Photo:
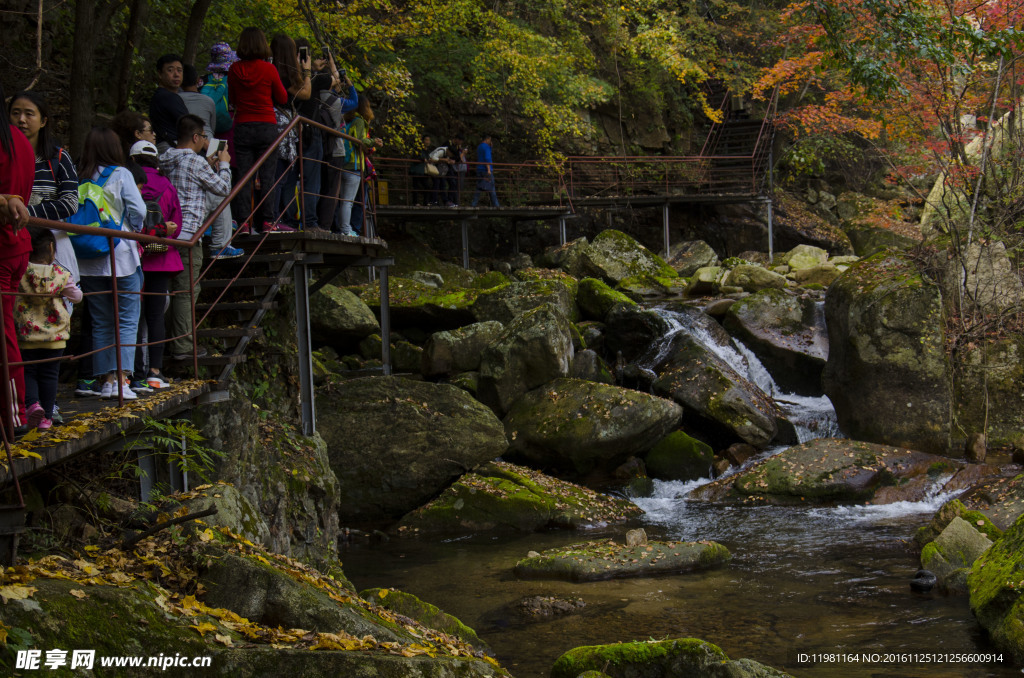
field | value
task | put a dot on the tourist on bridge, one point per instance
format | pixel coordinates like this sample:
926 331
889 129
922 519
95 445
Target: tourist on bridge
485 173
166 106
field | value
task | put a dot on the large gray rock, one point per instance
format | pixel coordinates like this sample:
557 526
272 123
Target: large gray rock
596 299
953 552
754 278
996 594
589 366
678 456
687 257
533 349
615 256
987 391
234 511
394 444
458 350
983 275
787 333
804 256
887 372
336 313
583 425
505 302
705 385
595 561
568 257
631 330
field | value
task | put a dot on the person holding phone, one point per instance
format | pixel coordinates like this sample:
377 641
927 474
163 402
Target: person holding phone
313 108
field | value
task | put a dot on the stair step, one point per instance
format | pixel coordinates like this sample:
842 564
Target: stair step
222 360
306 257
238 306
230 332
244 282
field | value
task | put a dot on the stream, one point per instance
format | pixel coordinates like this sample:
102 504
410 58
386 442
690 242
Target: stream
801 581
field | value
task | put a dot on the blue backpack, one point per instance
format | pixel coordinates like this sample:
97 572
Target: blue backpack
93 211
218 91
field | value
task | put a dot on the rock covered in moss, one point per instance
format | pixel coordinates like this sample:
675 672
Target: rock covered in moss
706 385
832 470
996 584
506 302
803 257
585 425
429 615
678 456
596 561
532 350
417 305
394 443
953 552
887 372
954 508
589 366
234 511
337 313
869 240
706 280
548 275
823 275
658 659
754 278
987 391
613 256
458 350
646 286
787 333
686 257
503 496
595 298
568 257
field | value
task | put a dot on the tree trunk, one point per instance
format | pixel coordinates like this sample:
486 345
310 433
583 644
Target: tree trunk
92 17
195 27
136 20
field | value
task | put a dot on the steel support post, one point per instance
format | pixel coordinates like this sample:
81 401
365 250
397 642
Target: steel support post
300 275
664 224
515 244
465 243
561 230
385 321
771 243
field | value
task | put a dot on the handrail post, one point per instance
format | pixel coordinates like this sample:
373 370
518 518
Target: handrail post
117 320
301 199
192 282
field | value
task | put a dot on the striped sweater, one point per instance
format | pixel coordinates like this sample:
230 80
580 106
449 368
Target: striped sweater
55 189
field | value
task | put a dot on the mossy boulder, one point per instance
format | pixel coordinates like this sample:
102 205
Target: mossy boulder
823 275
336 314
595 298
869 240
614 256
671 658
1000 500
754 278
234 511
631 330
394 443
413 255
646 286
996 584
987 395
458 350
532 350
414 304
686 257
830 471
588 366
568 257
953 552
546 275
788 334
803 257
429 615
678 456
406 357
708 387
505 497
467 381
504 303
887 371
596 561
582 425
706 280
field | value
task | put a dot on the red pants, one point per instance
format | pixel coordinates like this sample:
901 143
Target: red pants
11 271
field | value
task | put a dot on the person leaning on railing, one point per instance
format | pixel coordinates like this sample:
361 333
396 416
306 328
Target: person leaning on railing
17 173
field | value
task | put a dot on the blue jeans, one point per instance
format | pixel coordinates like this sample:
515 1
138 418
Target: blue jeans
288 207
101 308
486 185
312 155
350 180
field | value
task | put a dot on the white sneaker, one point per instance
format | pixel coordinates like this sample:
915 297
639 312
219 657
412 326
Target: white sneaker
107 389
127 392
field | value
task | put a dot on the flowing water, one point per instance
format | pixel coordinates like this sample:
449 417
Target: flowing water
802 581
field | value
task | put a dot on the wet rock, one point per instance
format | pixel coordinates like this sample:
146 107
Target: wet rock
394 443
1001 500
614 256
645 287
550 606
631 468
502 496
585 425
505 302
659 659
994 587
976 448
704 384
596 298
953 552
677 456
923 582
637 537
428 278
631 330
687 257
429 615
754 278
588 366
739 453
720 466
533 349
705 280
595 561
787 333
830 470
719 307
337 313
458 350
887 371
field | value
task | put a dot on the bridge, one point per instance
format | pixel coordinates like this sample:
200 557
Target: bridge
231 298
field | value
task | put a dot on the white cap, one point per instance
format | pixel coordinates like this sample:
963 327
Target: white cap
143 148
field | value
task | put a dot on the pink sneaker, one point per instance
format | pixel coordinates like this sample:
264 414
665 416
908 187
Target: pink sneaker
45 424
34 415
278 228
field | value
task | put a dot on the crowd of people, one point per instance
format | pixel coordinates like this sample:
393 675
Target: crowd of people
439 176
164 174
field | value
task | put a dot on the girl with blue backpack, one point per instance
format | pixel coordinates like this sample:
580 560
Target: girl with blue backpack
106 180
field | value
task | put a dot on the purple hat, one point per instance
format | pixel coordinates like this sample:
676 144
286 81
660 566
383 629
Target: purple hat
222 57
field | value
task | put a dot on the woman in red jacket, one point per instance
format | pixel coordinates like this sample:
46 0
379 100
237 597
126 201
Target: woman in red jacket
254 86
17 172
